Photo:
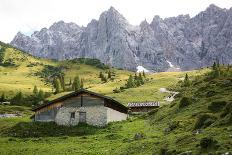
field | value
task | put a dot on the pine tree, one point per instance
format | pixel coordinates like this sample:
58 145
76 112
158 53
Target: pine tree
76 84
130 82
70 82
82 83
217 72
109 74
214 66
140 78
144 75
18 98
135 77
57 85
101 75
62 82
35 90
104 79
186 80
3 98
41 95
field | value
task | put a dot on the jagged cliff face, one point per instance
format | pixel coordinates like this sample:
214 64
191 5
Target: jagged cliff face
187 43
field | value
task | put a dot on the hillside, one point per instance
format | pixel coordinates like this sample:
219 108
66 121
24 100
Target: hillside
20 71
198 122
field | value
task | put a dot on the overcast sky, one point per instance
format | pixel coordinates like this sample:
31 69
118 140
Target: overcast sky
30 15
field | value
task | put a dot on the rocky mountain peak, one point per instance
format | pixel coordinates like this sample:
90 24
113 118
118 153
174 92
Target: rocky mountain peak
186 43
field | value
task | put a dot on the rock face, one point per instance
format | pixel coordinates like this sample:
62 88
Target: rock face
185 43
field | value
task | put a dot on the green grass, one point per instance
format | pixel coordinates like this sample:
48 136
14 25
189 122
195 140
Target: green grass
22 77
21 136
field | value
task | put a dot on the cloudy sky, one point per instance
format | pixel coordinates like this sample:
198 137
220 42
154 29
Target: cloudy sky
30 15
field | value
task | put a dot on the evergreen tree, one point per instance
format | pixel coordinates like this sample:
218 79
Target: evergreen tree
70 82
82 83
218 63
186 80
140 79
57 85
40 95
214 66
18 98
217 72
144 75
109 74
35 90
101 75
104 79
135 77
76 84
3 98
130 82
61 78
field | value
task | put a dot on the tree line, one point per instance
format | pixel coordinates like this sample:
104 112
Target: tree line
60 85
132 82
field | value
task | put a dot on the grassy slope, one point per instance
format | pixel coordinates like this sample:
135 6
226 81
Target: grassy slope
21 77
117 138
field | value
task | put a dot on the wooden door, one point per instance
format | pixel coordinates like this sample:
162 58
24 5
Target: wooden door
82 117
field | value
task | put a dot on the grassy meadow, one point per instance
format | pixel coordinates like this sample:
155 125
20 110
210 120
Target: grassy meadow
198 121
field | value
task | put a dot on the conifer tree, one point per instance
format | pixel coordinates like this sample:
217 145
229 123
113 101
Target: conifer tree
62 82
18 98
144 74
101 75
57 85
3 98
130 82
41 95
140 78
35 90
82 83
70 82
76 84
186 80
109 74
214 66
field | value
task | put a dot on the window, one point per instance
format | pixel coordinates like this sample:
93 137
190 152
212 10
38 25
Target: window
73 115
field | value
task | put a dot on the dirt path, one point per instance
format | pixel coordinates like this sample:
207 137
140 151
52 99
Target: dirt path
171 95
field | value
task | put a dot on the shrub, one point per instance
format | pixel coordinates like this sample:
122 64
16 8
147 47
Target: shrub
116 90
227 110
204 120
210 93
217 106
208 142
185 101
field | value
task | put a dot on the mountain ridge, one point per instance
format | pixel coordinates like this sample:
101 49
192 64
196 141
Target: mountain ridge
188 43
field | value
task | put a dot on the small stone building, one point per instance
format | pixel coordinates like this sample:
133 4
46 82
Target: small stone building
142 107
81 106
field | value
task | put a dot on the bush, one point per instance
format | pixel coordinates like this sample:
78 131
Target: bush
210 93
185 101
116 90
204 120
217 106
208 143
227 110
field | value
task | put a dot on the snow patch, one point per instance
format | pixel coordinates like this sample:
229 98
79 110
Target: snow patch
170 64
141 69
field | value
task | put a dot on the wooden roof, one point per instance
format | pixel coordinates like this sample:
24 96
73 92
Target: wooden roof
143 104
81 91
